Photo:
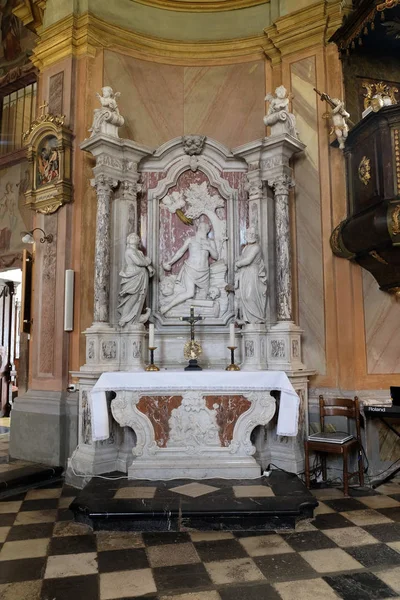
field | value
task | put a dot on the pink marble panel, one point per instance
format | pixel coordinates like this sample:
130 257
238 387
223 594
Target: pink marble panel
158 409
225 102
229 409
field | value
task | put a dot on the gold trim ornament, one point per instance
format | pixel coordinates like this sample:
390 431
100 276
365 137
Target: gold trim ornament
49 153
396 220
192 350
364 170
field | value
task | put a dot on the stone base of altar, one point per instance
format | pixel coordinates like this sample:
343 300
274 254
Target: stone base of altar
195 467
264 504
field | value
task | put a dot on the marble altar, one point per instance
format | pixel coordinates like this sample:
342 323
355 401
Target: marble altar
207 227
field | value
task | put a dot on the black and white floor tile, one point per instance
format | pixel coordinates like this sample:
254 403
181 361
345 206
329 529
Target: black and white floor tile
350 551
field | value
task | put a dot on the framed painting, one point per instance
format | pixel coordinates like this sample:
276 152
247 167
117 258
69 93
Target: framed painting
49 148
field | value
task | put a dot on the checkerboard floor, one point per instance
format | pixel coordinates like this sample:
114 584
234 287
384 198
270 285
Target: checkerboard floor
350 550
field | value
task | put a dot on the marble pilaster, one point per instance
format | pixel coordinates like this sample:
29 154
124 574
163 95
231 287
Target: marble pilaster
284 337
116 169
104 188
281 186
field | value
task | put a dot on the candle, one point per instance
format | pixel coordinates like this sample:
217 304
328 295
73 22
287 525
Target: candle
232 335
151 335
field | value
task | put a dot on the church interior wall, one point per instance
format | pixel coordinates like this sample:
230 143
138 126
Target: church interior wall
160 102
348 323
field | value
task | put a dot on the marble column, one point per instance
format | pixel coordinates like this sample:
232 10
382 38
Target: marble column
104 188
281 186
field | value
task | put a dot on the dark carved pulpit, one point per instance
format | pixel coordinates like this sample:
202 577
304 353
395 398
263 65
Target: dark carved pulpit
371 234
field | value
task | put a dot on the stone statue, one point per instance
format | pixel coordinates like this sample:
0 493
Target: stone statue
339 116
252 281
107 119
134 283
278 116
195 272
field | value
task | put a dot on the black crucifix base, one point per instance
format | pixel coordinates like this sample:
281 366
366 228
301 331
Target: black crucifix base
193 365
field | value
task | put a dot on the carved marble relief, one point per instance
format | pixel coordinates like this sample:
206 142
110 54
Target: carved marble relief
86 419
136 349
249 348
295 349
278 349
109 350
193 423
202 276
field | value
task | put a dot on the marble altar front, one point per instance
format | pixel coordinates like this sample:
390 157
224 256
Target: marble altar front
191 224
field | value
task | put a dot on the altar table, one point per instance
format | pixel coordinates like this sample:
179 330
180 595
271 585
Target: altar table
194 424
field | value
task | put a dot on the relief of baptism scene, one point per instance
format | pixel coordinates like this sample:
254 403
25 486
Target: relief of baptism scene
200 299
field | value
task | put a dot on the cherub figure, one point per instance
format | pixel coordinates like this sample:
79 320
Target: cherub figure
278 110
278 102
339 116
108 114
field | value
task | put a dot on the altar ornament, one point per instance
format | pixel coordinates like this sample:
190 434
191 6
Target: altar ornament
232 366
192 349
278 116
134 283
152 366
107 119
49 149
251 281
377 96
338 116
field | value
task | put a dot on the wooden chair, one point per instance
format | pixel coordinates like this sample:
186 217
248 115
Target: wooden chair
345 407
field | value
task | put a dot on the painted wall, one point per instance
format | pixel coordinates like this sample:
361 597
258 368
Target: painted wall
308 216
160 102
14 216
16 40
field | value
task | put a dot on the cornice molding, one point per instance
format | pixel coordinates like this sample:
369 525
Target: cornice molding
304 28
30 12
83 35
201 5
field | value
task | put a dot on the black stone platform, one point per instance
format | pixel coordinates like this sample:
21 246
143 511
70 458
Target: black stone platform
25 477
265 504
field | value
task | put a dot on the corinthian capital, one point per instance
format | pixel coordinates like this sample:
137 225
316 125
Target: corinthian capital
104 184
281 184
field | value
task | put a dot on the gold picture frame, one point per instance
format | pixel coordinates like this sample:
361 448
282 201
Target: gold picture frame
49 153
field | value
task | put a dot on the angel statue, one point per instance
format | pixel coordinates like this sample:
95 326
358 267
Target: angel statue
134 283
107 118
338 116
278 116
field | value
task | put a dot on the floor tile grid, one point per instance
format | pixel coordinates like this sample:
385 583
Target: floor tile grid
112 565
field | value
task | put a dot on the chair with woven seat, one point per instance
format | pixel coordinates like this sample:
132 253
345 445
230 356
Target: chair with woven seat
332 407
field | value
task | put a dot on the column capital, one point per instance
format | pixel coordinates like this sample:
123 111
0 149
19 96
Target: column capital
281 184
129 189
103 183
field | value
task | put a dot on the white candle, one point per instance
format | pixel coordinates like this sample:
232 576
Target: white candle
151 335
232 335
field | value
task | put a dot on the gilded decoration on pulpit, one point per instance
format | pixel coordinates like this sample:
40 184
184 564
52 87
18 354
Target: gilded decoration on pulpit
364 170
49 147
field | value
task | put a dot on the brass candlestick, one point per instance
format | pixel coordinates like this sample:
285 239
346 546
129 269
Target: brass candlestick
152 366
232 366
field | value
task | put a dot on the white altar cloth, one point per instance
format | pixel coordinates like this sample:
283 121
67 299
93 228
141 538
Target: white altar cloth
224 381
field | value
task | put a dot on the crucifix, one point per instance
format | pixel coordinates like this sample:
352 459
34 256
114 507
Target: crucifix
192 349
43 107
